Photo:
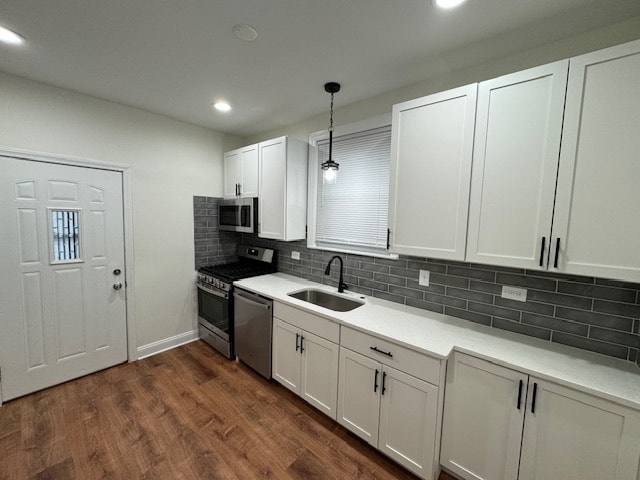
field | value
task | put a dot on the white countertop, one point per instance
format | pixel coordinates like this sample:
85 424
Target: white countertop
438 335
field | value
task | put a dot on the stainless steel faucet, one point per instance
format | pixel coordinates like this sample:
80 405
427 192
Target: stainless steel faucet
341 285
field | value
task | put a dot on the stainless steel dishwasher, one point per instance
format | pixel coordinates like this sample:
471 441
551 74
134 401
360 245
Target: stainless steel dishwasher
253 317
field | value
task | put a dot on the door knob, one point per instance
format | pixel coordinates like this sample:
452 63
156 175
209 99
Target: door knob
117 286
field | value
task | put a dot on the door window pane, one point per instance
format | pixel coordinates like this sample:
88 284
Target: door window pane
65 235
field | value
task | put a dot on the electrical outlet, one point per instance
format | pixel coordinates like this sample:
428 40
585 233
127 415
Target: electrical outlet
295 255
424 278
514 293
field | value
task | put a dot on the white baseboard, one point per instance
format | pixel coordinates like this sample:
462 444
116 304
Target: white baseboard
166 344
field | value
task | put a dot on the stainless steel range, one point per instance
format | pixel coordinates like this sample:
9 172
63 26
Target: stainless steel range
215 294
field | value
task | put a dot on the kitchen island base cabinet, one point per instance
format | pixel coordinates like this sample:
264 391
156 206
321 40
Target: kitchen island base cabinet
501 424
395 412
303 362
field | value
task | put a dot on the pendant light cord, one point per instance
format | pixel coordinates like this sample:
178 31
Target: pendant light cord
331 128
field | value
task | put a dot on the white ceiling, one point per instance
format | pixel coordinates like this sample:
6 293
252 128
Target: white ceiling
174 57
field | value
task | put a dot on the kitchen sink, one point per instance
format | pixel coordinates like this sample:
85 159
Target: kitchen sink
334 302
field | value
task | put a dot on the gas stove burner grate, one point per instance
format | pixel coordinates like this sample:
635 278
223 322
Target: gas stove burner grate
236 271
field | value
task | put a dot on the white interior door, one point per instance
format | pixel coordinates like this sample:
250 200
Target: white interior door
62 301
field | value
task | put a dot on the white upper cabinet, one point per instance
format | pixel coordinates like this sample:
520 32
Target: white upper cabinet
282 202
241 172
515 162
431 151
597 219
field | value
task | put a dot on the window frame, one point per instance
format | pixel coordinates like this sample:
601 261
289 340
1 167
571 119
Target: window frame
313 177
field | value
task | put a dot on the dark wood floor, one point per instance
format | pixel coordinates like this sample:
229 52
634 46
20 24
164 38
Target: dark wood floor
187 413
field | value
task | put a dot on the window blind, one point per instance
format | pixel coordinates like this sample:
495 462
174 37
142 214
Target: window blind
353 210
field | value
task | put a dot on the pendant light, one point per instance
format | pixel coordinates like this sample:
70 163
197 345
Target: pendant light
330 168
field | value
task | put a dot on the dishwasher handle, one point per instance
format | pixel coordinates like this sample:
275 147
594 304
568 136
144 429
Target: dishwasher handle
255 300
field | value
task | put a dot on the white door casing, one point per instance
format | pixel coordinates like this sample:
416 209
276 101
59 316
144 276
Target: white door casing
59 320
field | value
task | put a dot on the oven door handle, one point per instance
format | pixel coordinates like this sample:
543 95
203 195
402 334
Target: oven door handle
266 306
213 292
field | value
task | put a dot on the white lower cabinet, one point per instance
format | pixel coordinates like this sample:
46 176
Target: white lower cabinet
304 362
395 412
501 424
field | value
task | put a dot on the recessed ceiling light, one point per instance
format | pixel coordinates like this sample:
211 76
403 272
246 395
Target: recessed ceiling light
10 37
245 32
446 4
222 106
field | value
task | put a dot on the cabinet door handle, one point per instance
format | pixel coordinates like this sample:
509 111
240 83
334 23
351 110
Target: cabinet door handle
384 379
533 400
297 340
239 189
520 393
301 344
375 381
388 238
555 262
544 241
376 349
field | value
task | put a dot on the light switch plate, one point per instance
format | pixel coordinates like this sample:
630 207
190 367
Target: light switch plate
424 278
295 255
514 293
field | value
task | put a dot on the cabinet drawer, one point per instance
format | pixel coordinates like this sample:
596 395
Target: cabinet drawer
307 321
409 361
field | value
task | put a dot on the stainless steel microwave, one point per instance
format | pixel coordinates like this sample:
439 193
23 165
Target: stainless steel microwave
238 215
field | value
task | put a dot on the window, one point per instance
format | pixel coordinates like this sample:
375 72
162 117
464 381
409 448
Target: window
350 215
65 235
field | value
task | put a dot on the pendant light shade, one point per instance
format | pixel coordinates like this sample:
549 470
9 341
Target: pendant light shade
330 168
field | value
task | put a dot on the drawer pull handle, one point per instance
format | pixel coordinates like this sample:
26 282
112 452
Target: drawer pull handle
375 381
384 378
375 349
520 394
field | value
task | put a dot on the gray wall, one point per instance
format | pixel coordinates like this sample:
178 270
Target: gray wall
211 245
594 314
